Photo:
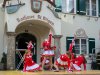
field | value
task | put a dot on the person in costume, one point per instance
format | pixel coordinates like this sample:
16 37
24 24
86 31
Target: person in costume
29 64
63 61
78 61
48 51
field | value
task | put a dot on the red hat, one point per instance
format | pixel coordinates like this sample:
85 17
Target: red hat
30 45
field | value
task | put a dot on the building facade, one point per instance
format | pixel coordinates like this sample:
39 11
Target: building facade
25 20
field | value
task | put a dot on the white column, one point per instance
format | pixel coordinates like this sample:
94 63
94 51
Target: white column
97 8
57 44
11 51
75 8
90 2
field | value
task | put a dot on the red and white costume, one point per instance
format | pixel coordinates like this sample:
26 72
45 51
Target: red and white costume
47 47
29 64
78 62
71 45
30 45
63 61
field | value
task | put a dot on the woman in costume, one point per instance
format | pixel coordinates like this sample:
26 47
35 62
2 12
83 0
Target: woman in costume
29 64
48 51
63 61
78 61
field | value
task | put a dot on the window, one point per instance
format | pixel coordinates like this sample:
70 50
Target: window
58 5
81 7
68 6
91 42
77 46
91 7
83 46
80 46
87 7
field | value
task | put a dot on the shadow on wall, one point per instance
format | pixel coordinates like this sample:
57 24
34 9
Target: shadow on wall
3 63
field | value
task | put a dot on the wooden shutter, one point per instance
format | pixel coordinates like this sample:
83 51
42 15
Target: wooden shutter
91 45
81 7
58 5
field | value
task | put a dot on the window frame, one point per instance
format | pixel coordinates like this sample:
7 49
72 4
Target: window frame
80 45
90 9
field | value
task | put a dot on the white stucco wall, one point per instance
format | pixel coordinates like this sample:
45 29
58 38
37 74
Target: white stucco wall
70 26
71 23
13 20
1 1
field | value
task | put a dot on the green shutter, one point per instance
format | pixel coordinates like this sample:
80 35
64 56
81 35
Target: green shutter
99 7
58 5
91 45
68 41
81 7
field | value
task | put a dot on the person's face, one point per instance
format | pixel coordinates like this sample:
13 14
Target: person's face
29 51
30 41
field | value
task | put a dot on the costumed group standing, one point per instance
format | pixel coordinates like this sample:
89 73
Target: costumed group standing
67 61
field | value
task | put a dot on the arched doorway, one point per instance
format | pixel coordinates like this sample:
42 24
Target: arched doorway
21 47
31 29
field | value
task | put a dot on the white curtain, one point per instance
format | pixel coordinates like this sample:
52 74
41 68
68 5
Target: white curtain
68 6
